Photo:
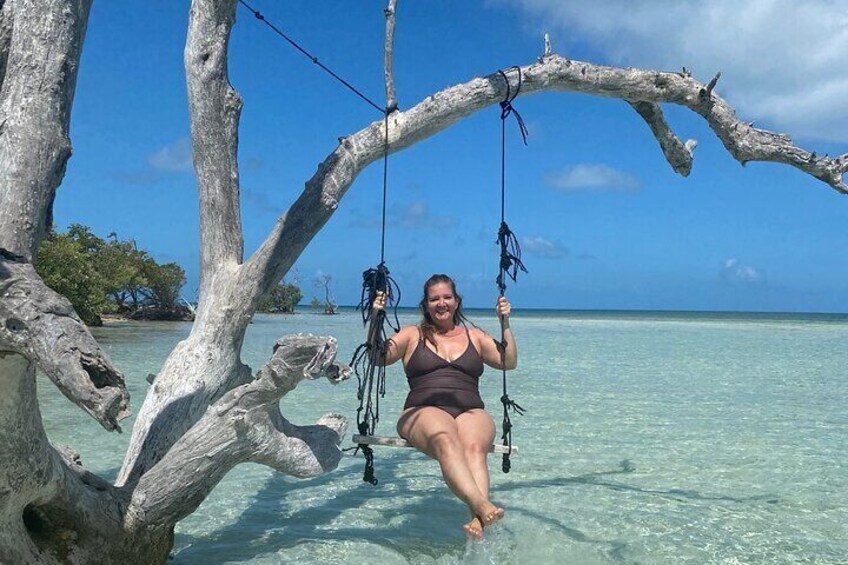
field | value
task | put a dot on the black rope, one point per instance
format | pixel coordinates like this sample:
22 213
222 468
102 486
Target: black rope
507 108
369 359
510 261
258 15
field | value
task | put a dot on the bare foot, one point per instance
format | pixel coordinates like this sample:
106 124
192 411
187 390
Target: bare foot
474 529
488 513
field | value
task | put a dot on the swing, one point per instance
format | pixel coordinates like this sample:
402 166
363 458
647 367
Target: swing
386 441
368 358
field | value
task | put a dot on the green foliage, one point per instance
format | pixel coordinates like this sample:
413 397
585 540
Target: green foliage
66 264
123 268
163 283
281 299
100 276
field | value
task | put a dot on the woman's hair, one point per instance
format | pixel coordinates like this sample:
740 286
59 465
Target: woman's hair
427 327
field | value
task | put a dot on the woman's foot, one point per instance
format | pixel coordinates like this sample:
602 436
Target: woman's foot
474 529
488 513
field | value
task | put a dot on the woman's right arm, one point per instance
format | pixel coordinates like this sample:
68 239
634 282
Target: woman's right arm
396 346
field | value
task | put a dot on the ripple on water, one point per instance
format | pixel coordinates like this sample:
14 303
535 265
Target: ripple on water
647 440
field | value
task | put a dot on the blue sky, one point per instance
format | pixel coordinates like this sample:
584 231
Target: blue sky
604 221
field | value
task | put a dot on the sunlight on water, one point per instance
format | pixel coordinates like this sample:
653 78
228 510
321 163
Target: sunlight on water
648 439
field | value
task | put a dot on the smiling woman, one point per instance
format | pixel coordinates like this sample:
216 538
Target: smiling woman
444 416
207 411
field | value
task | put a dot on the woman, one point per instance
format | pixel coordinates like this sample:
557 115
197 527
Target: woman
443 416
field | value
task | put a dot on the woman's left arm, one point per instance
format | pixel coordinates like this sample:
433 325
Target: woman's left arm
490 349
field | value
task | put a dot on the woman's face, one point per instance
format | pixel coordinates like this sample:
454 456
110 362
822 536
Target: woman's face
441 303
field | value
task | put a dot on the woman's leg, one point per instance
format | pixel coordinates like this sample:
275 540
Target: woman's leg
476 433
435 432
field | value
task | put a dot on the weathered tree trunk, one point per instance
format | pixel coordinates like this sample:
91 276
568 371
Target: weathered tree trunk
206 411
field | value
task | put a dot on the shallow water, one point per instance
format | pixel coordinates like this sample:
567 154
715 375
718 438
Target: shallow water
649 438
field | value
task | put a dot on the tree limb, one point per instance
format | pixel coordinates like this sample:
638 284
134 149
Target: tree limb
215 108
337 172
7 21
38 91
41 325
246 425
677 153
391 98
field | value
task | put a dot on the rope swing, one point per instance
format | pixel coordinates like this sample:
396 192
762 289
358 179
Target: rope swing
369 358
510 260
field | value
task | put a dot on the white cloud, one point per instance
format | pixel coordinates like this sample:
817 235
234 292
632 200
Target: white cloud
733 270
592 177
542 247
174 158
782 61
411 216
416 215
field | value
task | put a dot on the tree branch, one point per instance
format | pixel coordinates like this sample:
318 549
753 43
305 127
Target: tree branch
677 153
40 324
337 172
215 110
246 425
391 99
7 21
38 91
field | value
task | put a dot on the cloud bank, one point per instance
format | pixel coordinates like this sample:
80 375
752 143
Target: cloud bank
783 62
590 177
542 247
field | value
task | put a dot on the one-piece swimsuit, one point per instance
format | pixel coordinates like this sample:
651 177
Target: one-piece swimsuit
452 386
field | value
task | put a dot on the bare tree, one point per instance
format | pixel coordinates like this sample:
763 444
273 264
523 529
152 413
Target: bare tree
324 281
206 411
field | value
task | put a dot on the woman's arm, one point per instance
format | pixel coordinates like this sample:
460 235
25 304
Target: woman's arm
396 345
490 349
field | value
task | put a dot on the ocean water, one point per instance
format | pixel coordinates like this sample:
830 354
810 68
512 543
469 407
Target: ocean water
648 438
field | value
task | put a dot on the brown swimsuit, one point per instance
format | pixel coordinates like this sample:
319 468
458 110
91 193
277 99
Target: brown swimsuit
435 381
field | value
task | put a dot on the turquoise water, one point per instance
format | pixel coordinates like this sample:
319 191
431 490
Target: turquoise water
649 438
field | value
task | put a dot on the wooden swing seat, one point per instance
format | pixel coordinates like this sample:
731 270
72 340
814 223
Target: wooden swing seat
400 442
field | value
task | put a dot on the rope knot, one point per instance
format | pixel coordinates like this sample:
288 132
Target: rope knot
506 104
512 405
510 262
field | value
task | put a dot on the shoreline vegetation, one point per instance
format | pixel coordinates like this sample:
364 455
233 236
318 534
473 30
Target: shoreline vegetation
110 280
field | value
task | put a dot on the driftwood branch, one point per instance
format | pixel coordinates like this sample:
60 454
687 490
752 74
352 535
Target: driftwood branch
40 61
391 98
246 425
547 52
214 106
677 153
6 26
40 324
337 172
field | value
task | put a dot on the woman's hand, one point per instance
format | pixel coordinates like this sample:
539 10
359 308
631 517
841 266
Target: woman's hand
379 301
504 308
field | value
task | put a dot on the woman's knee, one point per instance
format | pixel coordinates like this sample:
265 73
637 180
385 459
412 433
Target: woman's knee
444 444
476 451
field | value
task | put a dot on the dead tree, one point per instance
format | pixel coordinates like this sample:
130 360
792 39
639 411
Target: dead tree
206 411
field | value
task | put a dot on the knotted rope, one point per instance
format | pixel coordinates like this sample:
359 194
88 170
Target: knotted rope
510 260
